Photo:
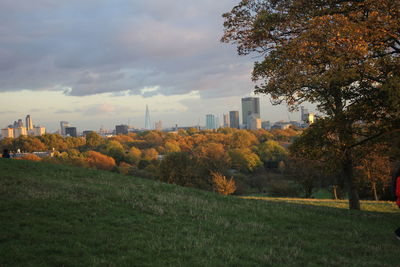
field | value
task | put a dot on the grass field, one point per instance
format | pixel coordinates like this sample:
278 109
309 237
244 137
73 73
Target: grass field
55 215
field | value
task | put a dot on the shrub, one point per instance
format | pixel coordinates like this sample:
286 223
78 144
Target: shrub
31 157
222 185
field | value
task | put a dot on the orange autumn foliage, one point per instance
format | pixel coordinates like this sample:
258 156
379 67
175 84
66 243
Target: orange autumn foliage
100 161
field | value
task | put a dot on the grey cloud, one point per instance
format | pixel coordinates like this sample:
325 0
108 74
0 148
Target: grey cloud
93 47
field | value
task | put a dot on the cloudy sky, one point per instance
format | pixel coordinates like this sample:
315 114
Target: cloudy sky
99 62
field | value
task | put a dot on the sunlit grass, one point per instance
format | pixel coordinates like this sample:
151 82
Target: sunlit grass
366 205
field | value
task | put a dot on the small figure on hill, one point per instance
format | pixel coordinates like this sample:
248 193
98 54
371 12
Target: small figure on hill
397 188
6 154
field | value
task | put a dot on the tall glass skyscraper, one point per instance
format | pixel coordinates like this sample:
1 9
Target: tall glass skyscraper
250 106
211 122
234 119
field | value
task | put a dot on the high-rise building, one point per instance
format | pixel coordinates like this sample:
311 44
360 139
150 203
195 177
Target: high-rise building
121 129
20 131
250 106
210 122
20 123
147 123
234 119
304 114
254 122
226 120
28 121
71 131
7 132
39 130
63 125
266 125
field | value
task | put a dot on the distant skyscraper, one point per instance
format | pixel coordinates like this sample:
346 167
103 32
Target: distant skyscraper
147 124
7 132
71 131
304 114
20 123
226 120
63 125
38 130
250 106
20 131
234 119
254 122
121 129
210 122
29 125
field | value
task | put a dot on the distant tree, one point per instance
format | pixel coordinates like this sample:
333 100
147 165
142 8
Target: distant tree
93 140
178 168
212 157
150 154
114 149
172 146
271 153
100 161
55 141
222 185
375 168
75 142
134 155
28 144
244 160
243 139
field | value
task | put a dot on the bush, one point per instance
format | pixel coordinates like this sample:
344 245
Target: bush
31 157
222 185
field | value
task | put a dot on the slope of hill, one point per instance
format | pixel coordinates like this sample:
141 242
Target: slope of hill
58 215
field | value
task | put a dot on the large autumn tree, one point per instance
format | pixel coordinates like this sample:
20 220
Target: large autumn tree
342 55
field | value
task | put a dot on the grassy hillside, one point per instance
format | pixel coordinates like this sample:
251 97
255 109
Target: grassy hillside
58 215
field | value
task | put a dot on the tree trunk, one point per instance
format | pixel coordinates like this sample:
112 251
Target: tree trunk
373 186
334 192
354 199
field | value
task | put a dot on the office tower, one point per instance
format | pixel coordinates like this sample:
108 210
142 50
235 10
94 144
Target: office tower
15 125
85 133
250 106
158 126
121 129
20 131
70 131
210 122
28 121
226 120
7 132
304 114
147 124
234 119
39 130
20 123
254 122
63 125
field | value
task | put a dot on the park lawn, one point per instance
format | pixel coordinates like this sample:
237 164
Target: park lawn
53 215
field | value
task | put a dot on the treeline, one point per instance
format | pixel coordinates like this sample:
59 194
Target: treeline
227 160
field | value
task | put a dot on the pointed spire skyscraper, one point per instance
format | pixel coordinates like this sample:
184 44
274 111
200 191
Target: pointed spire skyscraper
147 124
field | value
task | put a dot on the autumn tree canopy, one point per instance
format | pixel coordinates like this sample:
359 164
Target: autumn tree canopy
342 55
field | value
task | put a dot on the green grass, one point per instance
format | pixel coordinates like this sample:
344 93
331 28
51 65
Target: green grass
55 215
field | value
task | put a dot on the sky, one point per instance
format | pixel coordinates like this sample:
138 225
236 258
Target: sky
98 63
